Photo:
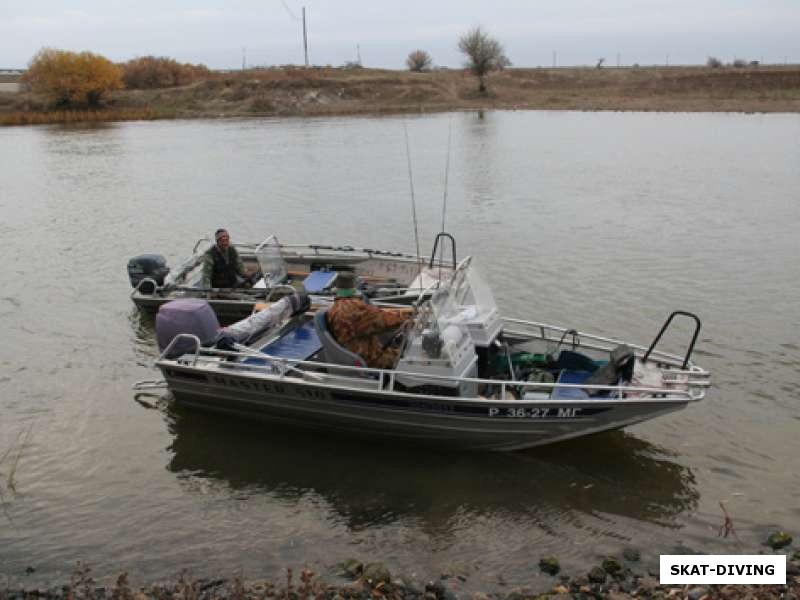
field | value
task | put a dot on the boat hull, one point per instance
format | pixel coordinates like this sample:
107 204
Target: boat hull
464 423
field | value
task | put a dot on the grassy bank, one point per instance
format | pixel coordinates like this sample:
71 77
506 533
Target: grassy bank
31 117
315 92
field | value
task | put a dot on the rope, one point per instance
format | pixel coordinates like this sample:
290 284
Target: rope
289 10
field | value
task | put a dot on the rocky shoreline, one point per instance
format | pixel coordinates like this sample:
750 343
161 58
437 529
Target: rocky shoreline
614 579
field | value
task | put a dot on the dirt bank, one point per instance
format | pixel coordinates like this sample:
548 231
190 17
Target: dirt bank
313 92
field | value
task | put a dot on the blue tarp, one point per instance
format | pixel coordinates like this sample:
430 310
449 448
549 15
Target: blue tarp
318 281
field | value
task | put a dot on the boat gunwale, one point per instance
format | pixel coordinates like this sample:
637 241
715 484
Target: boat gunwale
246 249
266 372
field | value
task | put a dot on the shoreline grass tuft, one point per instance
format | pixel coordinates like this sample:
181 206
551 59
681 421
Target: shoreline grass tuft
84 116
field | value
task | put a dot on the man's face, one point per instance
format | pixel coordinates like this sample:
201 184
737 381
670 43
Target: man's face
223 241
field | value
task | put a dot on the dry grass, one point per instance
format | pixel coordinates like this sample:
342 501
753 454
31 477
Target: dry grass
82 116
329 91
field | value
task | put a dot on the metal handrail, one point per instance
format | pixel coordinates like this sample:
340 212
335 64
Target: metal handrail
198 242
443 235
544 327
191 336
138 285
664 327
382 374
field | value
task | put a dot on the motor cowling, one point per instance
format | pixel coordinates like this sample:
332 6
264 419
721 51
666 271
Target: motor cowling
150 266
185 315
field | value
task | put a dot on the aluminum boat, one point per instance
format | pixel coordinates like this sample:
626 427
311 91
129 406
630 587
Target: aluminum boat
278 269
466 377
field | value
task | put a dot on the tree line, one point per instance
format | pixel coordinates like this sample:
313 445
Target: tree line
84 79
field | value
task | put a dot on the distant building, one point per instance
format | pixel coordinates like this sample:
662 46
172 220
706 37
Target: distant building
9 80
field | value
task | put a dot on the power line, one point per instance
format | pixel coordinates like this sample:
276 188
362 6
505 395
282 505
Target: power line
289 10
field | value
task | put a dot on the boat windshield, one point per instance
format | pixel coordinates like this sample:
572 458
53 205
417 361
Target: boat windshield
465 299
270 260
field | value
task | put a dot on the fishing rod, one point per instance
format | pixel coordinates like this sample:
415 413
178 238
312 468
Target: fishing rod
446 178
413 204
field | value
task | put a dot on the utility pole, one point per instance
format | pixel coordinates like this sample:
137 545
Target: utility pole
244 58
667 59
554 59
305 37
618 60
358 54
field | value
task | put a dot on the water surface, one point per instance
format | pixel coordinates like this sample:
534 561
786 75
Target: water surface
604 222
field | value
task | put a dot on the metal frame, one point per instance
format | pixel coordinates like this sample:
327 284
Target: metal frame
385 380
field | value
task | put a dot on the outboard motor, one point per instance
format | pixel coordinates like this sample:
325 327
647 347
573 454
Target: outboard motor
185 315
151 266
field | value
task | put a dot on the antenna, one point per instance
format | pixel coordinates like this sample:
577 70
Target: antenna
413 204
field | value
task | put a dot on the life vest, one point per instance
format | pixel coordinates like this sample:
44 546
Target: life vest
223 273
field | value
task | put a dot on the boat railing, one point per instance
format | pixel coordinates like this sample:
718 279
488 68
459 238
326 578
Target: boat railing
384 380
323 250
557 334
198 242
138 287
665 326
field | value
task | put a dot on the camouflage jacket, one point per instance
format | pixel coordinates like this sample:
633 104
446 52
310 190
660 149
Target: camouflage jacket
358 326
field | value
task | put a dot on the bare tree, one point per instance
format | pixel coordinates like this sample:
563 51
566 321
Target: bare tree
419 61
484 55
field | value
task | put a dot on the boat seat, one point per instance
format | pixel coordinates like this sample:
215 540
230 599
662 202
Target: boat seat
301 343
333 351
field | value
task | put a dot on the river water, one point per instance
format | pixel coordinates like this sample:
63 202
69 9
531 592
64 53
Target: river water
605 222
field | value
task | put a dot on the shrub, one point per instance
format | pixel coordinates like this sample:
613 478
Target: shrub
713 62
72 79
149 72
740 63
419 61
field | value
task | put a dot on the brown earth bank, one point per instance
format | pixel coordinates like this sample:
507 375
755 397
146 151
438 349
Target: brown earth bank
613 579
329 91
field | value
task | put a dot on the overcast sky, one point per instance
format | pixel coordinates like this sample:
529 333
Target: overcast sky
220 34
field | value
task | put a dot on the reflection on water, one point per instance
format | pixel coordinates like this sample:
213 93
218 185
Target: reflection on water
371 484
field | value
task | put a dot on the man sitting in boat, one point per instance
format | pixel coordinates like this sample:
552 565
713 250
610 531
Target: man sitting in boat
222 266
362 328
